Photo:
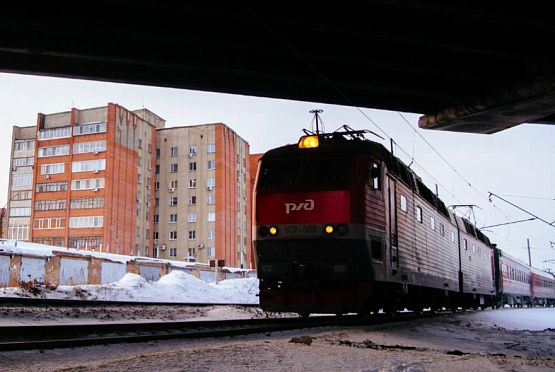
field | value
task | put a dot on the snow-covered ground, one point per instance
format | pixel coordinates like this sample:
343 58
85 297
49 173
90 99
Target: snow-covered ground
176 286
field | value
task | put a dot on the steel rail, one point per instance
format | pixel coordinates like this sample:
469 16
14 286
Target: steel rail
33 301
72 335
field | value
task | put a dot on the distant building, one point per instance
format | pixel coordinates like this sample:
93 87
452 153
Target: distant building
113 180
84 179
3 223
203 205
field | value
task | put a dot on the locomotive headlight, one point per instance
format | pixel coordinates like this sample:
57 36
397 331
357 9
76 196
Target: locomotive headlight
263 231
342 229
309 142
273 230
328 229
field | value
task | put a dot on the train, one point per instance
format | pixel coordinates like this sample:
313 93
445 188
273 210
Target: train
341 225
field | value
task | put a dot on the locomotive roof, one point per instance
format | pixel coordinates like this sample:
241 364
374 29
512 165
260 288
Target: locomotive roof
351 142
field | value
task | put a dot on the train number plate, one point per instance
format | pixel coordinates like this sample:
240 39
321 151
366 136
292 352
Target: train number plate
301 230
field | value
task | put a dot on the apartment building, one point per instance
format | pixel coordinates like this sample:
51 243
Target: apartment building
85 179
20 187
113 180
203 195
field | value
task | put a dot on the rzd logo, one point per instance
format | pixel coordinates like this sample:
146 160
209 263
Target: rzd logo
307 205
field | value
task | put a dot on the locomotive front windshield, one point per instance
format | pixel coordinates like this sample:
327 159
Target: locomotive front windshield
305 173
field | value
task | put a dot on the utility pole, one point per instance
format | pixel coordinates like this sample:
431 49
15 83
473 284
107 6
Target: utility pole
529 255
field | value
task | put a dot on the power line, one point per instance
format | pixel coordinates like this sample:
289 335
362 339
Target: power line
527 197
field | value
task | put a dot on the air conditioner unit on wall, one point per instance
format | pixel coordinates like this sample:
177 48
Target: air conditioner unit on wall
95 189
171 189
46 176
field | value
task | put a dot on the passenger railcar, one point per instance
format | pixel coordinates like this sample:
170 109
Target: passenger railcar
342 225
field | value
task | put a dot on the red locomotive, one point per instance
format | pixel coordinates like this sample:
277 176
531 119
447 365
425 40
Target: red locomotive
344 226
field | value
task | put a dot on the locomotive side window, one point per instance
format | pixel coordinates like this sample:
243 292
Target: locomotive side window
374 177
403 203
433 223
418 212
376 247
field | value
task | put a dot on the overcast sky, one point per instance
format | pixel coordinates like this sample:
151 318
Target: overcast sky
519 161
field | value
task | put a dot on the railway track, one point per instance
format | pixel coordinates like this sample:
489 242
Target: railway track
46 302
75 335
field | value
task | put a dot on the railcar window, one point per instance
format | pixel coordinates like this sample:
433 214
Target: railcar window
304 173
418 211
374 179
403 203
376 247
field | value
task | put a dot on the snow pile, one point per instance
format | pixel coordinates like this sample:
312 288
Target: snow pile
176 286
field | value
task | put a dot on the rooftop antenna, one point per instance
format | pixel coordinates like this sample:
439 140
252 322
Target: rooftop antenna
316 117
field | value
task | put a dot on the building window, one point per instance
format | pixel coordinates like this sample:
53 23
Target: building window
211 217
86 221
192 183
24 145
173 168
211 251
157 152
173 217
192 200
192 234
173 252
403 203
88 165
21 195
211 234
192 166
55 168
192 253
418 214
210 183
44 152
87 203
211 164
46 134
87 184
90 128
56 241
157 169
174 151
192 217
49 223
22 180
23 162
18 232
157 185
211 199
156 218
89 147
211 148
50 205
140 143
52 186
173 200
192 150
173 235
20 212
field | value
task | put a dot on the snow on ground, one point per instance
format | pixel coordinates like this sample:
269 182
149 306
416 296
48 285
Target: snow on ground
176 286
